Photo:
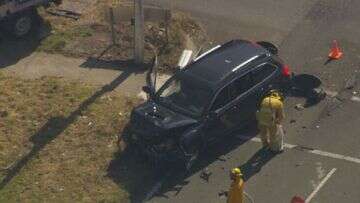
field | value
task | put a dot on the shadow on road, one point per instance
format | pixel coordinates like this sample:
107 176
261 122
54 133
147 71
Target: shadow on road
304 85
99 63
12 50
134 175
255 163
55 126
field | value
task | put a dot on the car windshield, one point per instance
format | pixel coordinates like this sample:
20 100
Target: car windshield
185 94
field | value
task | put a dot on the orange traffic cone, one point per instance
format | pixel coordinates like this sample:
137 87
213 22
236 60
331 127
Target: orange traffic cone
335 52
297 199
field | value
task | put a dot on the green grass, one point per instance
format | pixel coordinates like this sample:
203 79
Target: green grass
73 151
60 39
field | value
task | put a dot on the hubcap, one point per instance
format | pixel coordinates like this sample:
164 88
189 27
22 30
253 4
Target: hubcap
23 26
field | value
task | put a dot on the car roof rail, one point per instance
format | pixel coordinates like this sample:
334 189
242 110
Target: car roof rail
207 52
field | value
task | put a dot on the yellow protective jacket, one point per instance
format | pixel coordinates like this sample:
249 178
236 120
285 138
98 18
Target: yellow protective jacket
236 192
271 111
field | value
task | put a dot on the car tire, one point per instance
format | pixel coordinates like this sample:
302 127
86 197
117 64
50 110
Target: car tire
191 161
22 24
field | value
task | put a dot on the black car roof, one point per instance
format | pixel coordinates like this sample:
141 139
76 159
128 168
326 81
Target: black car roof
232 56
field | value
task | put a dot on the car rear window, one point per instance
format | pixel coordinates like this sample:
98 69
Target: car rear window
260 74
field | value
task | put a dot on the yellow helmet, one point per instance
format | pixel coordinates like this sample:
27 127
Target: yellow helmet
276 94
236 172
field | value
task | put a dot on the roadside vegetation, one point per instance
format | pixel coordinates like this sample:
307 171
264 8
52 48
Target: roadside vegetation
90 36
57 140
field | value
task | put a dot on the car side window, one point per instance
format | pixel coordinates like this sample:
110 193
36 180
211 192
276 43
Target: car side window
222 98
260 74
232 91
241 85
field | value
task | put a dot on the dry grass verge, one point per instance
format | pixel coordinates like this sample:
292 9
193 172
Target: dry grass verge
61 137
90 36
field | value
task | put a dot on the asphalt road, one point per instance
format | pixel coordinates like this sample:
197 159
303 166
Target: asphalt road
326 135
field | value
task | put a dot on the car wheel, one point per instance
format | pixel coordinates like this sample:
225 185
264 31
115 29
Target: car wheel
191 161
22 24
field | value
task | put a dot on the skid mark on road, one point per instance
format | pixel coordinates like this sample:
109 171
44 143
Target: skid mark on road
322 183
310 150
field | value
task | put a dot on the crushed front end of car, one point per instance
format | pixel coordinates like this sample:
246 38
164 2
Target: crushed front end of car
155 132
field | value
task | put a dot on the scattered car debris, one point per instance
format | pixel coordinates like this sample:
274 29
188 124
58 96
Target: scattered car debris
222 158
355 99
299 107
351 82
223 194
316 94
205 174
292 121
64 13
331 93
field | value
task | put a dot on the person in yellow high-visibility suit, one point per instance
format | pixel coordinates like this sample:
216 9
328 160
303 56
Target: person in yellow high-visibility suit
270 115
236 192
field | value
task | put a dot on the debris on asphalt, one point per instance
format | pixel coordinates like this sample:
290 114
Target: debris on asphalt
351 82
331 93
292 121
222 158
354 93
205 174
355 99
316 94
299 107
317 126
223 194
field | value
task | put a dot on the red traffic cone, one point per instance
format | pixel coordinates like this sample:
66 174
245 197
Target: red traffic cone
297 199
335 52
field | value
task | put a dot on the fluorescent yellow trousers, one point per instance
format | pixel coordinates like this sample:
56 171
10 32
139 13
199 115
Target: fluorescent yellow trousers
267 135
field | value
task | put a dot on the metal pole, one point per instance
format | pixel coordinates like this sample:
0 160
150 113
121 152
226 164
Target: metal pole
139 32
113 36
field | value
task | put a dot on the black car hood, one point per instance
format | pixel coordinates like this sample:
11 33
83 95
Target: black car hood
160 117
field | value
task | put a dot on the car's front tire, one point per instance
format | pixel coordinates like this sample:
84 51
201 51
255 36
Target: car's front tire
20 25
191 160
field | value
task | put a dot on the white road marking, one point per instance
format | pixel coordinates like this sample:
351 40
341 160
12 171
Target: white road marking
312 151
322 183
335 156
256 139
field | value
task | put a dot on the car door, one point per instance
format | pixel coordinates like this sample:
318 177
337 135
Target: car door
264 79
232 105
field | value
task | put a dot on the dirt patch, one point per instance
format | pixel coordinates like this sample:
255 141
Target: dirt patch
90 36
57 140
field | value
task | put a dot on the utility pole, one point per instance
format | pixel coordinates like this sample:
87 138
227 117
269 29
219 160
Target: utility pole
139 32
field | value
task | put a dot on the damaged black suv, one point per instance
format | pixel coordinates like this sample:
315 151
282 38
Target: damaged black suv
217 93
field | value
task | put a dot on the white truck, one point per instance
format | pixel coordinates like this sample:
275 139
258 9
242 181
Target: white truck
19 17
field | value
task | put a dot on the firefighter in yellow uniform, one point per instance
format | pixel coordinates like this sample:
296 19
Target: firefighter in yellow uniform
236 192
270 115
